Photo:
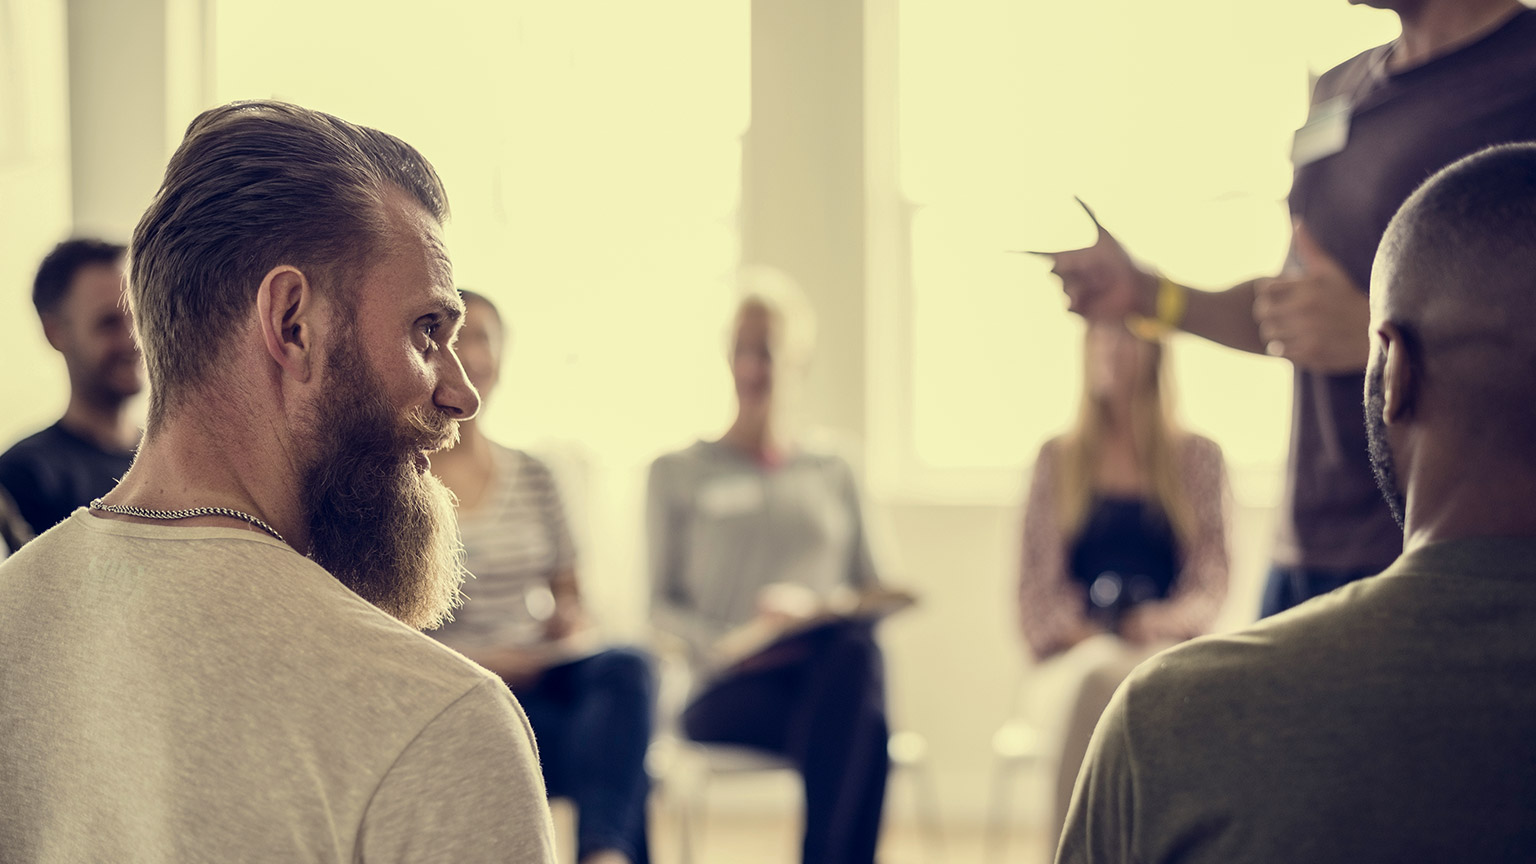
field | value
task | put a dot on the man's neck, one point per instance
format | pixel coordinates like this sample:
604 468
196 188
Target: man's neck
1438 27
1470 499
103 423
219 461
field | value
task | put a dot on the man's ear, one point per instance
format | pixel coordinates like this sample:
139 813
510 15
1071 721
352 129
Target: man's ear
285 306
1398 382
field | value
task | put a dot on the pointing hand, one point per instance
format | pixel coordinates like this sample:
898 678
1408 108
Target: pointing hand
1101 281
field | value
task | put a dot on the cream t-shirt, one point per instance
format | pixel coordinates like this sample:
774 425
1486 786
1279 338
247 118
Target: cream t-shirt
207 694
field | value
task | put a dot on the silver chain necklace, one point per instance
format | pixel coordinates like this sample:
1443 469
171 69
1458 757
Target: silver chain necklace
190 512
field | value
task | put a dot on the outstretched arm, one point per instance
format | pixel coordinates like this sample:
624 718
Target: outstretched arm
1102 281
1313 315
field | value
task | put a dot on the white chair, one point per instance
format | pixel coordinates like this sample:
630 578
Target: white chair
1018 746
684 770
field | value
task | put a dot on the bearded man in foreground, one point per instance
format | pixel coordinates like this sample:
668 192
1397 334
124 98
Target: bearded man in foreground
219 659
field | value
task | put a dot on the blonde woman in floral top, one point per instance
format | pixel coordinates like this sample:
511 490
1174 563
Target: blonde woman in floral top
1124 549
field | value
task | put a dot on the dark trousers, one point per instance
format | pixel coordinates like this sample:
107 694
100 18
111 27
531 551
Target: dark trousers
819 702
1293 586
592 719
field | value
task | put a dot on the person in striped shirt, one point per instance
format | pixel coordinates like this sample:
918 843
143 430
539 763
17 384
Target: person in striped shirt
591 707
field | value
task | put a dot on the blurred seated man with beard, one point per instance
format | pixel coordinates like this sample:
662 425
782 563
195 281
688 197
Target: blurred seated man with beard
220 659
1393 719
78 293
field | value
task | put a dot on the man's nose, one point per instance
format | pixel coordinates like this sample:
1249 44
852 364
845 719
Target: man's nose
455 395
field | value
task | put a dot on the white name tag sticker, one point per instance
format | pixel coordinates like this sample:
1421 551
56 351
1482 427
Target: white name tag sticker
1326 132
731 496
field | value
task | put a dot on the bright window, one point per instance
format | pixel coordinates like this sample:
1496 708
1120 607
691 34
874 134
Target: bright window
1174 121
592 161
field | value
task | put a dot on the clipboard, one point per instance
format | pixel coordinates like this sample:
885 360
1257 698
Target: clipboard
759 644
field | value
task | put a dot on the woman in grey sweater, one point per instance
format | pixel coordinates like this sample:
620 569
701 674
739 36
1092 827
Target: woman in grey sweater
751 532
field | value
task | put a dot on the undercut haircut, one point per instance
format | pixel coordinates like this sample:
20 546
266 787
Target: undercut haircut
56 275
255 185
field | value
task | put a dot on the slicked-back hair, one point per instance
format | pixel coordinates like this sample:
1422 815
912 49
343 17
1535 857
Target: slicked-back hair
56 275
255 185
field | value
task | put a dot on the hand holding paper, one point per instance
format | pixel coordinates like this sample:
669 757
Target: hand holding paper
1316 318
788 610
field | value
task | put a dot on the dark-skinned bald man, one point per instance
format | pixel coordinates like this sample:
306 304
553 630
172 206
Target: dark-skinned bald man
1394 719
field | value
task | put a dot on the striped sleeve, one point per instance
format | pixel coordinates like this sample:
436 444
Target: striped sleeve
552 510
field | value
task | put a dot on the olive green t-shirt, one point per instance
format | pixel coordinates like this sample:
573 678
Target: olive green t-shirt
1393 720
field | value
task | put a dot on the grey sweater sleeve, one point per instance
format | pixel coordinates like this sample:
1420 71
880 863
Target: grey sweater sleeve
862 572
673 608
467 788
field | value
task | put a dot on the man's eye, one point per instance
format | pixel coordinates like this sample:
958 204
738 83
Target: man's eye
429 330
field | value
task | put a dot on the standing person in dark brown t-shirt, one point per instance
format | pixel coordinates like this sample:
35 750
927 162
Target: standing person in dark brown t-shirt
1461 77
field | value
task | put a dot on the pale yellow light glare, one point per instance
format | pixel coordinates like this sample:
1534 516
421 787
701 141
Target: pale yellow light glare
591 154
1172 119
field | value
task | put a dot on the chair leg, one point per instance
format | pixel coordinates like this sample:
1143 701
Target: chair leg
909 754
998 825
684 834
928 811
691 815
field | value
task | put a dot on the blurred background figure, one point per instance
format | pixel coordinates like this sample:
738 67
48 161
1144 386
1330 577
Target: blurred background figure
1124 547
753 541
78 294
590 707
13 530
1460 77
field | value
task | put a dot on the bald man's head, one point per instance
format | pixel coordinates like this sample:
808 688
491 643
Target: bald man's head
1457 258
1454 290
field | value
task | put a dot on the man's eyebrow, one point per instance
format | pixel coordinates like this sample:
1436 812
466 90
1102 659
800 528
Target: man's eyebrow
450 310
445 305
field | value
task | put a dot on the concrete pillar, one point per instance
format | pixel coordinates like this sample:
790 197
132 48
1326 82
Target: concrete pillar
137 76
803 167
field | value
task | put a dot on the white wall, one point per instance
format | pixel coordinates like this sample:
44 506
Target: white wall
116 112
94 95
34 204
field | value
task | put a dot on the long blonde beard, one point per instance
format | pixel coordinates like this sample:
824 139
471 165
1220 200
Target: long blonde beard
381 526
428 601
